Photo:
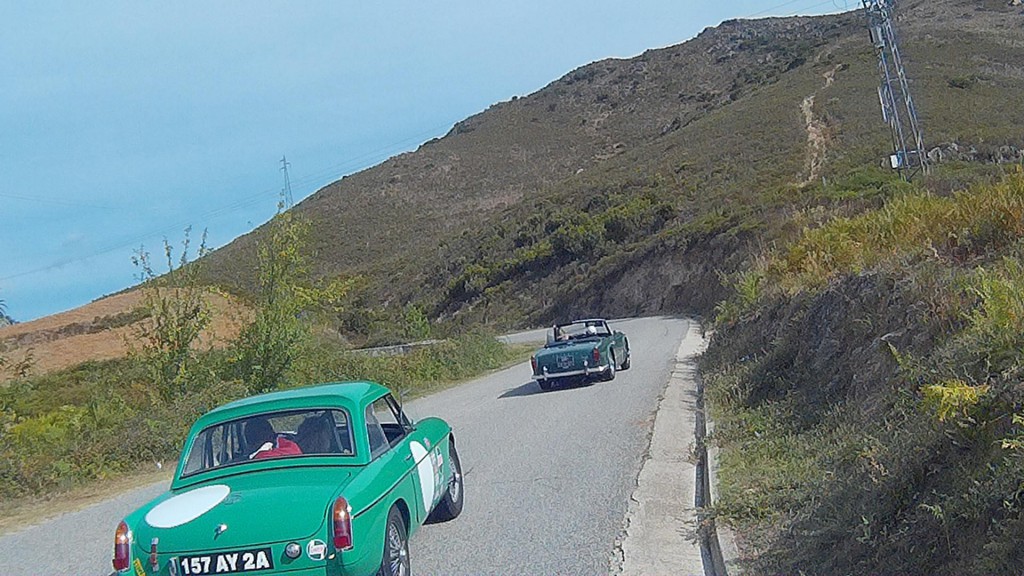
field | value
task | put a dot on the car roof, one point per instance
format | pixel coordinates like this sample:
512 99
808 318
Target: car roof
351 395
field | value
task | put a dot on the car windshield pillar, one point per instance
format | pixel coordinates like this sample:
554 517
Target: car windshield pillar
375 434
390 418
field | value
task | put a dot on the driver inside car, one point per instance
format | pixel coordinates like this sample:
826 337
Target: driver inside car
259 432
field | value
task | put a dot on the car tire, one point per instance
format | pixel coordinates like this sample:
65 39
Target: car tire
450 506
545 385
625 363
395 561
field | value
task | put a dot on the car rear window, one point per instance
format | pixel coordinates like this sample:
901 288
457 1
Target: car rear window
284 434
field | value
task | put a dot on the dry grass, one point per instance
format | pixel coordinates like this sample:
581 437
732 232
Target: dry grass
98 331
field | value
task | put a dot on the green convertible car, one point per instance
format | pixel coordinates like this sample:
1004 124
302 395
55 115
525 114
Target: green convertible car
580 350
324 480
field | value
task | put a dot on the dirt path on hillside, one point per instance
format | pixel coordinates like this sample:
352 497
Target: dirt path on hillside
817 131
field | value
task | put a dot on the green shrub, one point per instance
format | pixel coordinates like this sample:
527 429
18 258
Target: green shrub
952 399
288 304
747 287
578 238
908 227
121 423
175 312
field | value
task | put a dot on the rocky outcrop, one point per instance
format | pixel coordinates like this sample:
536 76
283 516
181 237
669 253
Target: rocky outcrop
952 152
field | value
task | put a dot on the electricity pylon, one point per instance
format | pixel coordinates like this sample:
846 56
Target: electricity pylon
898 110
287 184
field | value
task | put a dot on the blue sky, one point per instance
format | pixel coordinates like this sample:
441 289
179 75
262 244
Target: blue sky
124 123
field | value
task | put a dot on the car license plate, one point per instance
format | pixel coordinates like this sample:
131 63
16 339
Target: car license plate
565 362
240 561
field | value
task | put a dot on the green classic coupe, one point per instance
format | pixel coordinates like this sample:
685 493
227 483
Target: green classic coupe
324 480
581 350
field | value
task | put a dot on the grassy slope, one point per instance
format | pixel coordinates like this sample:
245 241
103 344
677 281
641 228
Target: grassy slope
717 174
866 395
865 376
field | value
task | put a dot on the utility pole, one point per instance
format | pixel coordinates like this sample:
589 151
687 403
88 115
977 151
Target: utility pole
898 110
287 192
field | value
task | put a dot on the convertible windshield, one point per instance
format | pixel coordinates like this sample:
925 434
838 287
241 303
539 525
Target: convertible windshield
285 434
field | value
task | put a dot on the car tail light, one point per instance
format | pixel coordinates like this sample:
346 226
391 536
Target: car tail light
121 546
597 356
533 363
342 519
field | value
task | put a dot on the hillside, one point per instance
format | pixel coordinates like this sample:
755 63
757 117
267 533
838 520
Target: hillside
653 174
866 382
468 214
681 125
865 374
630 186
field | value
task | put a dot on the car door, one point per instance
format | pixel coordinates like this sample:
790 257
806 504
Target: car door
389 463
417 454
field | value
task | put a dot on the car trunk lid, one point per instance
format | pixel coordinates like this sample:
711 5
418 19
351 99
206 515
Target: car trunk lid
246 510
577 351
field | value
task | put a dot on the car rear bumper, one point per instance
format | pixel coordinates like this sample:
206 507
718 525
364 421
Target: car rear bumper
587 371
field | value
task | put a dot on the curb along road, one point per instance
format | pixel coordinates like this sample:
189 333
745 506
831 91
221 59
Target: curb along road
666 528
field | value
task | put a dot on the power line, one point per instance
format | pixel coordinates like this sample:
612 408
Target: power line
56 201
835 3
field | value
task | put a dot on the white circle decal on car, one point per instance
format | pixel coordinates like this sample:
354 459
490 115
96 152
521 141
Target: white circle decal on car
425 470
184 508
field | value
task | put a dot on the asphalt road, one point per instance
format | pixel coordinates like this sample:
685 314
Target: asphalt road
548 475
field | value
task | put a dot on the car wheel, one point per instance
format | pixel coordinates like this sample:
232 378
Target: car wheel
545 385
396 546
625 363
450 505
